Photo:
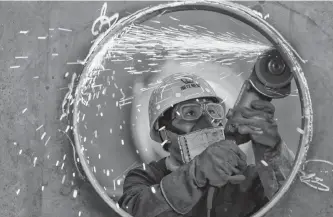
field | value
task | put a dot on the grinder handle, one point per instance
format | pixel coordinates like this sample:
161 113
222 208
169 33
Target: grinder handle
245 97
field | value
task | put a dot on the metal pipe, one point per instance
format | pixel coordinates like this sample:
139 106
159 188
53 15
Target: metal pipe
239 12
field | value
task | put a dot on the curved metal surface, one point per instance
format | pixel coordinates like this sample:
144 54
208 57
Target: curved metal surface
237 11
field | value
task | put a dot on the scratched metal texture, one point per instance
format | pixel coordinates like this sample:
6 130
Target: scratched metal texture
39 85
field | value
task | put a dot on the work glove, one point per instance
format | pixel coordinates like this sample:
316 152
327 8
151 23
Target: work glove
258 122
220 163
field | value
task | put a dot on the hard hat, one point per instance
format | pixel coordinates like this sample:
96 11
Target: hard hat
174 89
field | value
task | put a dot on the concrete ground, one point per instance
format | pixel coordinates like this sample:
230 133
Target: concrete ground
37 174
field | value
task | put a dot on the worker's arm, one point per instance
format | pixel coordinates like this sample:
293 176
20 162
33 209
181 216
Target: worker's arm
151 193
266 177
273 166
148 194
273 158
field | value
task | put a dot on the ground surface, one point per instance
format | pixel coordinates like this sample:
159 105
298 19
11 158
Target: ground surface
36 166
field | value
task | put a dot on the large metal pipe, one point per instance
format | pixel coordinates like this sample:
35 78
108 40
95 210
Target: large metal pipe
238 12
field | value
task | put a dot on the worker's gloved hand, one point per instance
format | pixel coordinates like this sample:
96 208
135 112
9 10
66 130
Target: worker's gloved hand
258 122
220 163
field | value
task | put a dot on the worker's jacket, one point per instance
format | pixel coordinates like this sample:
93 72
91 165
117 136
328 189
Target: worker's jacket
154 191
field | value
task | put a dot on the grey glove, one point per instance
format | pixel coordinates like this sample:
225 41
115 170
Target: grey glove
220 163
257 121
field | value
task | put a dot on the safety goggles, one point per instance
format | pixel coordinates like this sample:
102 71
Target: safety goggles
193 111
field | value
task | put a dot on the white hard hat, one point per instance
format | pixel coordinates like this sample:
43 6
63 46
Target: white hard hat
174 89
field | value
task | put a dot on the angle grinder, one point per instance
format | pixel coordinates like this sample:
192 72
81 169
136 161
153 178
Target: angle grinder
270 79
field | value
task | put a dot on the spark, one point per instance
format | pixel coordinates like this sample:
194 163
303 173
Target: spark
24 32
21 57
239 74
74 63
63 179
75 193
164 142
173 18
42 37
42 188
66 30
41 138
122 142
264 163
14 67
35 160
155 21
24 110
48 139
39 127
55 54
18 191
126 101
153 190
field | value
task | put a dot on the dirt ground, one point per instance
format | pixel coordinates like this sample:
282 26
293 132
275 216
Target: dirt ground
40 41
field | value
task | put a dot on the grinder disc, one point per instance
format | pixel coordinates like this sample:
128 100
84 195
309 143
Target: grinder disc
268 77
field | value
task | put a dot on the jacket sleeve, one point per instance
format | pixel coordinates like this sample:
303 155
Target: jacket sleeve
273 166
147 195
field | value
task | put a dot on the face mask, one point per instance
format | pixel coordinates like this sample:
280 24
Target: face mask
194 143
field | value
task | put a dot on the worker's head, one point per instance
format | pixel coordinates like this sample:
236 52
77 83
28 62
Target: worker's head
180 105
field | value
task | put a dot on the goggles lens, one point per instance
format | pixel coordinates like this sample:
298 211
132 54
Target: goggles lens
191 112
